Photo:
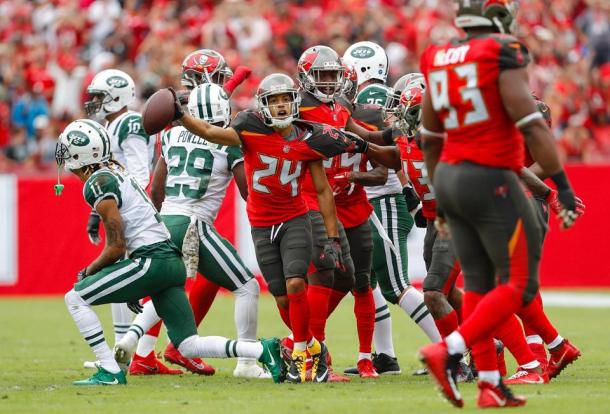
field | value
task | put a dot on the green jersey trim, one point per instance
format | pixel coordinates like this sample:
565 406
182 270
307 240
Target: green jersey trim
102 185
130 126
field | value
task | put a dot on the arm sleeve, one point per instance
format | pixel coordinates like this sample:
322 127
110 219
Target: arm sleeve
102 186
136 157
513 54
324 139
234 156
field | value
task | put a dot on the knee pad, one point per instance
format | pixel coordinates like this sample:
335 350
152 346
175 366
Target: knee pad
73 299
250 288
344 281
277 287
297 267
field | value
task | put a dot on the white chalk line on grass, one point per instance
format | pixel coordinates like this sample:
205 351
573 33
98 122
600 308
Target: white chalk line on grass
576 299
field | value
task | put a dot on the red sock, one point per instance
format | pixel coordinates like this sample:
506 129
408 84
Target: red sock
285 315
364 309
299 315
447 323
336 296
484 351
511 335
492 310
201 297
534 317
318 298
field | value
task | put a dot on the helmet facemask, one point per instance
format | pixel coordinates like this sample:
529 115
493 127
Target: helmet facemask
279 120
321 85
95 105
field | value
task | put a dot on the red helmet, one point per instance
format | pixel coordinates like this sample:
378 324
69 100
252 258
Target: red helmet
350 81
404 82
204 66
409 109
313 63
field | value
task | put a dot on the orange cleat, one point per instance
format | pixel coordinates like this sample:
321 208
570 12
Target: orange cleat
527 376
561 356
366 369
195 365
150 365
443 368
492 396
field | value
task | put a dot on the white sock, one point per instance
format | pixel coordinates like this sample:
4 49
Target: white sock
90 327
455 343
555 342
534 339
218 347
146 345
300 346
364 355
531 365
491 377
121 319
382 335
140 325
412 302
246 310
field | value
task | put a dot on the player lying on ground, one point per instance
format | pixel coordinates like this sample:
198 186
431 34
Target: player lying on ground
278 151
154 266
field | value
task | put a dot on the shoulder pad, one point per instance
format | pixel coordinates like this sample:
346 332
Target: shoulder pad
250 121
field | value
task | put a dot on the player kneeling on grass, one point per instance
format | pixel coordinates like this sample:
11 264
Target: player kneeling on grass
138 260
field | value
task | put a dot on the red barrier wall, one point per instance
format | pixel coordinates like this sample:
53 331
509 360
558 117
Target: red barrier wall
53 245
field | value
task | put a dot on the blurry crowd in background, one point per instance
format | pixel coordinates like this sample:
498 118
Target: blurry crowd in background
51 49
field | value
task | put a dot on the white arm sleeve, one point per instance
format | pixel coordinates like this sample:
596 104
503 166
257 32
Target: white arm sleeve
136 157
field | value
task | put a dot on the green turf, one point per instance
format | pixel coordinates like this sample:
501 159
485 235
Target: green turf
41 353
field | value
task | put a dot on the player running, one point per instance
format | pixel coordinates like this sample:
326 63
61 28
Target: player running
111 92
138 260
475 109
278 151
189 184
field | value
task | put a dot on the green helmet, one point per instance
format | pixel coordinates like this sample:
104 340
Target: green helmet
375 94
498 14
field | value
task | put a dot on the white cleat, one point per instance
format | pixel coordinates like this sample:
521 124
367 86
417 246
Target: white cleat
250 370
91 364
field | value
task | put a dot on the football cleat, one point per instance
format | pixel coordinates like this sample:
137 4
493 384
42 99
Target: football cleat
386 365
443 368
540 353
492 396
420 372
334 377
195 365
103 377
560 357
464 373
297 370
527 376
271 359
150 365
500 356
319 365
249 369
91 364
366 369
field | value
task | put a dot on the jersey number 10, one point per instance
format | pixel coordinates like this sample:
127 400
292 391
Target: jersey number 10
439 91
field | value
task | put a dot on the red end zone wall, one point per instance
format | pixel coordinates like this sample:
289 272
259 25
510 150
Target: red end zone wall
52 245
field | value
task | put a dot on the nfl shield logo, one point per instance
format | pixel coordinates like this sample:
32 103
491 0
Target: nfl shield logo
286 149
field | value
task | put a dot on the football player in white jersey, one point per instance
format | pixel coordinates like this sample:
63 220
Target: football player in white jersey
111 92
189 184
138 260
391 221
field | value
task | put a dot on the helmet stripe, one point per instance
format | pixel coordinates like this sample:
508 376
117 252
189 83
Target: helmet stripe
199 104
97 127
208 104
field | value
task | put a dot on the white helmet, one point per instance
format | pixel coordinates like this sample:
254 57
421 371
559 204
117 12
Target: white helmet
83 142
111 90
210 102
369 59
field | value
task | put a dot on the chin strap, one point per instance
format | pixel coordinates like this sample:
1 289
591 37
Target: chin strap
59 187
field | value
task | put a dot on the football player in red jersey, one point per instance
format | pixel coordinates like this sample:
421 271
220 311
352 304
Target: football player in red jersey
278 150
321 76
475 110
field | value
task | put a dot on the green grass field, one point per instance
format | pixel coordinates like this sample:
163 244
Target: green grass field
41 353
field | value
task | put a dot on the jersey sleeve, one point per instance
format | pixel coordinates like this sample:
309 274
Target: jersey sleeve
324 139
132 127
513 54
242 122
234 156
165 143
102 186
369 117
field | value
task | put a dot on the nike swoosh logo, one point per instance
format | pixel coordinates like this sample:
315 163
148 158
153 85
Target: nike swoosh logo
558 363
538 381
293 376
148 367
116 381
320 378
272 358
501 402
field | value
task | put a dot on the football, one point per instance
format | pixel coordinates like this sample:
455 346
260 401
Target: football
158 111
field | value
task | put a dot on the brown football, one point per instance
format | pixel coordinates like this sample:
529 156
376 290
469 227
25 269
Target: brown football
158 111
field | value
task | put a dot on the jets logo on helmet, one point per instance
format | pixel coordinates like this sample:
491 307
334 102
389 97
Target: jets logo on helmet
369 60
498 14
117 82
78 138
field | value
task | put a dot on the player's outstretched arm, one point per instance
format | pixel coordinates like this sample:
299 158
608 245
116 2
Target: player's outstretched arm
433 135
115 247
386 156
217 135
325 198
377 176
157 187
377 137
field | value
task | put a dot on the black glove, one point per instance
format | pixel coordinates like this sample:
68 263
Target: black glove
81 275
360 145
420 220
183 96
410 197
93 227
565 194
135 307
335 245
178 112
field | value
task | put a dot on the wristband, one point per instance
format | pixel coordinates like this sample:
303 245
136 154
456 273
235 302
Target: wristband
561 181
